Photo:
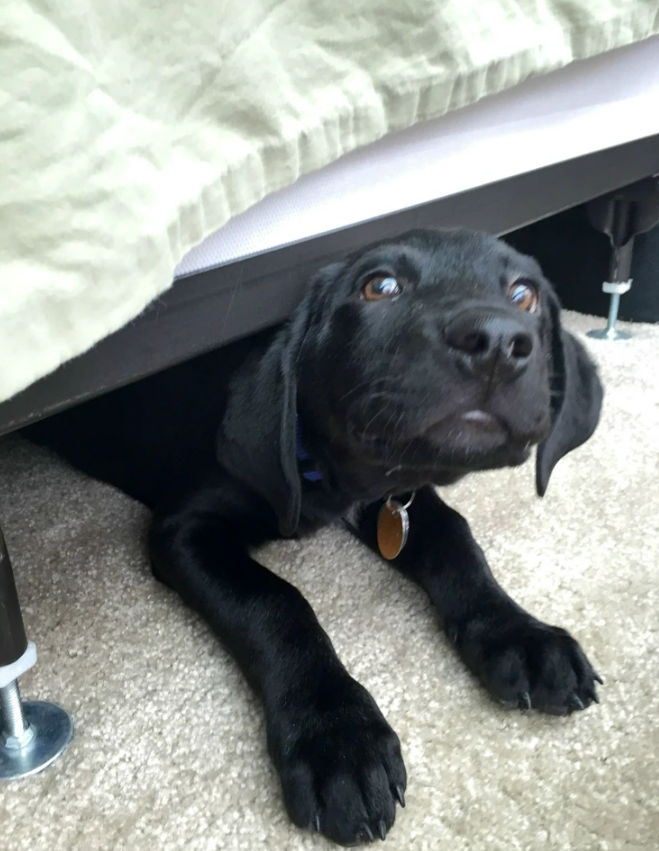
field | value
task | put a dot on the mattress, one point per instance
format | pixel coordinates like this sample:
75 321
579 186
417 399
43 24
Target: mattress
585 107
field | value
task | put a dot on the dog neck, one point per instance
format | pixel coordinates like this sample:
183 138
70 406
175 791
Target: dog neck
334 478
306 464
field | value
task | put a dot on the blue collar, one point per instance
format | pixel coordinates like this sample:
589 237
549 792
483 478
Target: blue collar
304 460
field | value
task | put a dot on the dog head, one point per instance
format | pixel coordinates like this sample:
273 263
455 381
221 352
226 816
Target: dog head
420 358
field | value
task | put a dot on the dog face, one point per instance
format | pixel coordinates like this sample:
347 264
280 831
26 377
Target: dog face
426 357
432 352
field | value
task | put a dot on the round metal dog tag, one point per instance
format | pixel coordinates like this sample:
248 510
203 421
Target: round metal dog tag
393 528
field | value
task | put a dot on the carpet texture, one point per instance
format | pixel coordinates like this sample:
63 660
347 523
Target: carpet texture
169 749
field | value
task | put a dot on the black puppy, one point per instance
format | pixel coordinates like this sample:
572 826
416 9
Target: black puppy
409 364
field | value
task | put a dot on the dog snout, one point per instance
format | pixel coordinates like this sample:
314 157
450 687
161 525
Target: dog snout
490 345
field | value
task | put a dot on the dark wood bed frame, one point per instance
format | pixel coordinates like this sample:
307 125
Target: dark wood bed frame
205 310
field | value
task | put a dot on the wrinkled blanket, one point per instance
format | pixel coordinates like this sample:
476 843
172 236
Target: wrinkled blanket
131 130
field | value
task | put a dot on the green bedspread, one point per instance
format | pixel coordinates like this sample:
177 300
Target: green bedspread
131 130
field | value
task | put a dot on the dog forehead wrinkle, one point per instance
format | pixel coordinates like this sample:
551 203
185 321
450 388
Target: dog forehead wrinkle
441 248
447 249
401 260
466 270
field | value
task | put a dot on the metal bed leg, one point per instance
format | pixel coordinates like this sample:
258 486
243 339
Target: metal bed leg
32 733
622 215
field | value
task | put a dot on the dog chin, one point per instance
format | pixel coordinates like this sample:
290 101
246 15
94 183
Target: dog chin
479 441
469 457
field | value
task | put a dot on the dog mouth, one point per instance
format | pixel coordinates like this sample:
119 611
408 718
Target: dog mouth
479 428
472 421
482 419
469 434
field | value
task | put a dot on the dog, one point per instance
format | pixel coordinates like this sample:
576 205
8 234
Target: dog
407 365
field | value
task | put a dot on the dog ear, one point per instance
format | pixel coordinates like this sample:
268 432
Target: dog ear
256 440
576 398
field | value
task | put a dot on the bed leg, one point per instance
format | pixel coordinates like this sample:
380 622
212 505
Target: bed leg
622 215
32 733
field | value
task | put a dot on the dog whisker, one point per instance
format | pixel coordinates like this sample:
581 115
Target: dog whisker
374 382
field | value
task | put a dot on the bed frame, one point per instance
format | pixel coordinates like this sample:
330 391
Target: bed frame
206 310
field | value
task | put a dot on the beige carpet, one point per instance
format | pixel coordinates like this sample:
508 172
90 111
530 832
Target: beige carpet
169 748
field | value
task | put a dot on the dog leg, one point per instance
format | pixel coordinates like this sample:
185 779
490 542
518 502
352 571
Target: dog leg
339 761
520 660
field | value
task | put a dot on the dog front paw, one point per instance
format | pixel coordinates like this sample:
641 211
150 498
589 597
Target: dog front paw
528 664
341 768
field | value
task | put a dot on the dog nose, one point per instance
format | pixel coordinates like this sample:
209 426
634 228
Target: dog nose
490 345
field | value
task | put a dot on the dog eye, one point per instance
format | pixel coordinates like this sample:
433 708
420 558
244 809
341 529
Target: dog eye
524 294
379 287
